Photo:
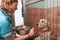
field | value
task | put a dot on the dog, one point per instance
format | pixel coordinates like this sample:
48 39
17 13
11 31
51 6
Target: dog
45 32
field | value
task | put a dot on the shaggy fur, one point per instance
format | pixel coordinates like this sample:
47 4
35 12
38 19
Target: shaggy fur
46 33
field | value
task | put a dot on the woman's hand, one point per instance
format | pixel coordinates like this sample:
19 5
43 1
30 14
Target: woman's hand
31 33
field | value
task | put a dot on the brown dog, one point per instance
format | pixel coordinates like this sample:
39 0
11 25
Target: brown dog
46 33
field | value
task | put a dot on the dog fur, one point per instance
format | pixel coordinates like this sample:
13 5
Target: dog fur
46 33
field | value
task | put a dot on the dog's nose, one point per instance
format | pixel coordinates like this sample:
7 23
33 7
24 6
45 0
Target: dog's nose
36 24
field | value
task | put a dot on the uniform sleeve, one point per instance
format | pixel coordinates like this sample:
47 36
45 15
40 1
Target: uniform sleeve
5 27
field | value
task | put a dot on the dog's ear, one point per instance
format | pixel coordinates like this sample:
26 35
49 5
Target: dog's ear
48 23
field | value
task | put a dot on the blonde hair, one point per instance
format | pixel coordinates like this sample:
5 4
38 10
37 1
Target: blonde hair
7 3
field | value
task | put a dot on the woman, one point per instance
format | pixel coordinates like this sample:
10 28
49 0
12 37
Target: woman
8 7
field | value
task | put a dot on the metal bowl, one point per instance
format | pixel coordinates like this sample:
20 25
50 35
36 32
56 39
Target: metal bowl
22 27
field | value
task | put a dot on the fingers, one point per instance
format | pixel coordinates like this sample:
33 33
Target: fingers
32 29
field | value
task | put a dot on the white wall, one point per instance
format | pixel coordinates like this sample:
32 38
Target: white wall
0 2
18 15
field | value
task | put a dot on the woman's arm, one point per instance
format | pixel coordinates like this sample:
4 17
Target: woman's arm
31 33
24 37
10 38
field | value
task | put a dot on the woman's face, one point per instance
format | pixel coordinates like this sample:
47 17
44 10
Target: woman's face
14 6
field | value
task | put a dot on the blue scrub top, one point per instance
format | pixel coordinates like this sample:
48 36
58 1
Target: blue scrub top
5 25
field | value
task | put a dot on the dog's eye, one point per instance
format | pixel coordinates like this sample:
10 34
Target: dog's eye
42 21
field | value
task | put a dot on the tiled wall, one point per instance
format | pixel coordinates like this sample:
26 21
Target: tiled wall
52 14
44 4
